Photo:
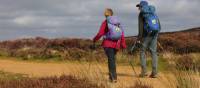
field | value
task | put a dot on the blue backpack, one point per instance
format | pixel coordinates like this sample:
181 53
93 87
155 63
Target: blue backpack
151 20
114 29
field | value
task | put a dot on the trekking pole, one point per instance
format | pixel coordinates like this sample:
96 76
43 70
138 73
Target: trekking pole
92 49
133 48
92 52
132 66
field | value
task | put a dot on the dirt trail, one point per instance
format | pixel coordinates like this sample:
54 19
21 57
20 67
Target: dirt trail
126 75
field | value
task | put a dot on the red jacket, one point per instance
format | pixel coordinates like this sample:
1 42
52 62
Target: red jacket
109 43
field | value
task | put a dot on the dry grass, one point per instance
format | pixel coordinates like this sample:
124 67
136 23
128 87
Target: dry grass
97 72
140 84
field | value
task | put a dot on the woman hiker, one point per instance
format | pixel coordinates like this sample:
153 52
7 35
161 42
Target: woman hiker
113 40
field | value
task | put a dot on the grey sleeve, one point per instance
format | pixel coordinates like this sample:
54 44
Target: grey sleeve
140 26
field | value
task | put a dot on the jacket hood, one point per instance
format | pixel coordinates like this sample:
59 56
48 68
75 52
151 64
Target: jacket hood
152 9
148 9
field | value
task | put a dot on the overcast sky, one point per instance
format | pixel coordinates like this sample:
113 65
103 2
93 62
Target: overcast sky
82 18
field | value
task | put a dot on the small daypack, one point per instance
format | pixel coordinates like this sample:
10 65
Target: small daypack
151 20
114 29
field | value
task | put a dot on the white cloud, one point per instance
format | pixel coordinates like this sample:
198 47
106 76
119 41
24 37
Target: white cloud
24 20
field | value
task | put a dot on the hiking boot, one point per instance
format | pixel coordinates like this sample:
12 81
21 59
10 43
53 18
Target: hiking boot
153 76
142 75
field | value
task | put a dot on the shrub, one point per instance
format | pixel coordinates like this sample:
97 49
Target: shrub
185 62
50 82
176 42
197 65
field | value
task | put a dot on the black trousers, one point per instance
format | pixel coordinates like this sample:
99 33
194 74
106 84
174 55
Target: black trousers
111 54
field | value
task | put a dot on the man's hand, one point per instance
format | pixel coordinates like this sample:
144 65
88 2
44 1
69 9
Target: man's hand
135 46
139 40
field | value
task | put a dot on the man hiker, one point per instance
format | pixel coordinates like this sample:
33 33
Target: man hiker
113 40
149 27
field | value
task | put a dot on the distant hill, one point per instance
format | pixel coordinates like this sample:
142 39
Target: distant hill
176 32
186 41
